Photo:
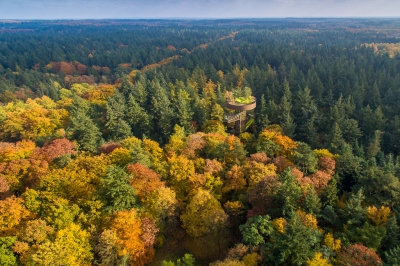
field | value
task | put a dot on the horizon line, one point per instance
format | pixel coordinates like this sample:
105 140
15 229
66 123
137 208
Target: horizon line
197 18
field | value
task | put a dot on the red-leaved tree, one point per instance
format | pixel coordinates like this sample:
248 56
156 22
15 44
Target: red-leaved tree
358 255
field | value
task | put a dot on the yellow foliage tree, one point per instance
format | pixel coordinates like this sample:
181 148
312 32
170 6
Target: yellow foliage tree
330 241
235 151
251 259
318 260
279 225
308 219
20 150
45 102
220 73
234 208
70 247
120 157
209 95
159 163
55 210
248 140
214 126
239 75
79 89
161 203
324 153
378 216
99 95
74 184
37 118
213 184
177 140
203 214
130 142
255 172
181 169
287 145
95 167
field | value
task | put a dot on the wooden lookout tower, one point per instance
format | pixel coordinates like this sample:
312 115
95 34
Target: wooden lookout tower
239 119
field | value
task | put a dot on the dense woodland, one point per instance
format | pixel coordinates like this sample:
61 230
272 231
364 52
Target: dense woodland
114 149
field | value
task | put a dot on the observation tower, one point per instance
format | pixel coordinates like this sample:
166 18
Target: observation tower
241 104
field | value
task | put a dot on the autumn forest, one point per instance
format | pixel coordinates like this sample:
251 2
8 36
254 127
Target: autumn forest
116 146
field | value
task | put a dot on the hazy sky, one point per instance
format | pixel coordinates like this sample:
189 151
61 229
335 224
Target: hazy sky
79 9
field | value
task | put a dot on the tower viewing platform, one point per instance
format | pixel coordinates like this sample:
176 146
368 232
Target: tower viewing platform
247 105
239 120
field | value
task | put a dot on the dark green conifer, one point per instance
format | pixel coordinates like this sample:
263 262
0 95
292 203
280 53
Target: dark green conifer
117 192
116 126
312 202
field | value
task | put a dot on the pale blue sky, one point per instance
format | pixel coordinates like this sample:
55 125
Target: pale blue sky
81 9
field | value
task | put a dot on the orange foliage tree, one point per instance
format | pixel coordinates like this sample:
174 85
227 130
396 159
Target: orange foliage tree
358 255
4 189
327 164
144 180
273 143
129 231
12 211
57 148
234 179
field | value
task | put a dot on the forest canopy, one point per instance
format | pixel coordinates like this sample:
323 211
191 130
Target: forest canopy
115 146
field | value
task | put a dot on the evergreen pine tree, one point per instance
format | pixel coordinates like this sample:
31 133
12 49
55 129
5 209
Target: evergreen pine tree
392 239
305 158
331 192
184 111
138 118
336 141
287 121
262 117
312 202
288 193
81 127
140 90
126 86
295 246
118 193
306 117
163 115
116 126
392 256
374 145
